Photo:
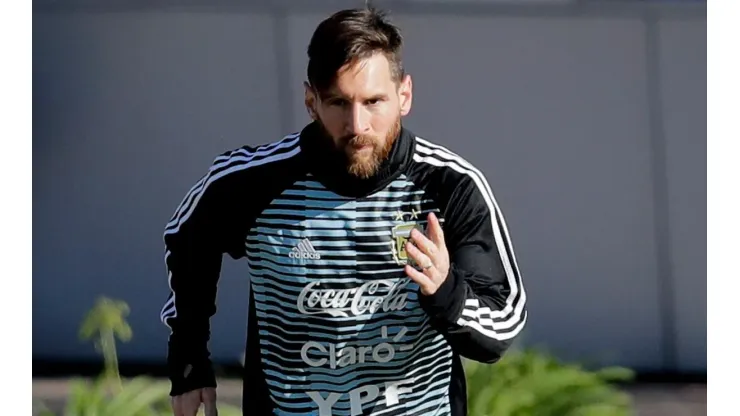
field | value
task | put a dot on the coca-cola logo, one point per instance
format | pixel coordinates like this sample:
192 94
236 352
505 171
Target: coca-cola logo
378 295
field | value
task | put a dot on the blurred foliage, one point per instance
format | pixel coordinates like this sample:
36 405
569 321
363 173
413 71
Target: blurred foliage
523 383
531 382
109 394
105 322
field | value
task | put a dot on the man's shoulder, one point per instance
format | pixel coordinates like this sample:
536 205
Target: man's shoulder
250 156
450 176
283 148
431 155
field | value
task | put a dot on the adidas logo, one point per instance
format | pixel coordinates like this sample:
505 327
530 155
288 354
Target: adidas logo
304 250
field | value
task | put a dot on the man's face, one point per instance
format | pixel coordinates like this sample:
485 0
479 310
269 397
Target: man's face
362 111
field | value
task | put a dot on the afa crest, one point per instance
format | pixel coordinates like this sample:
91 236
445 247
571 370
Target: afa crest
401 233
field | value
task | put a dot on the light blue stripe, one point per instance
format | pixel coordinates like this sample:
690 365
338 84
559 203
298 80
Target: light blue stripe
279 221
260 286
420 325
257 249
330 223
299 270
284 413
308 223
426 403
309 203
438 387
423 335
304 234
283 376
267 274
393 272
290 307
261 277
332 329
408 401
284 261
292 242
325 384
331 321
395 194
317 194
424 340
310 184
435 348
325 374
372 233
266 277
402 361
264 246
383 204
343 405
321 194
359 215
401 184
398 183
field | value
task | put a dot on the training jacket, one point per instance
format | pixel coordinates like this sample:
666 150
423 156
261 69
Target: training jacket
335 326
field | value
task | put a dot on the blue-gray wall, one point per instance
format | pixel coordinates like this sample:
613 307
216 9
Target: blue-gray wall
588 120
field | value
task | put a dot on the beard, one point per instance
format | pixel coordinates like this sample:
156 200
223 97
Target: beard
360 164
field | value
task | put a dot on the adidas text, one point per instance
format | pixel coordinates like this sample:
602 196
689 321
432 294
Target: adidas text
304 250
303 255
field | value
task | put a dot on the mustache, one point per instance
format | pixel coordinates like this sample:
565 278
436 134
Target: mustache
359 141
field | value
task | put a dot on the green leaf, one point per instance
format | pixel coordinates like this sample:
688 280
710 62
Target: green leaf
531 382
615 374
139 396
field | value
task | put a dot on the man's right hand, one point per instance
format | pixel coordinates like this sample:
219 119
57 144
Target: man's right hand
187 404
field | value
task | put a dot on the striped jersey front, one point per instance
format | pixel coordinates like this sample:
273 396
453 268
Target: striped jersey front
336 325
340 326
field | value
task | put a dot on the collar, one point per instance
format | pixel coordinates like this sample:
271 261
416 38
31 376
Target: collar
332 173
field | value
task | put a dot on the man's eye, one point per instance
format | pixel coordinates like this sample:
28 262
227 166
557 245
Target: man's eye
373 101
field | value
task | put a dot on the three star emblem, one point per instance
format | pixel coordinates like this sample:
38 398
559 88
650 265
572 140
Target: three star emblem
413 215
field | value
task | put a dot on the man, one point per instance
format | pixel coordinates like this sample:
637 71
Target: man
353 309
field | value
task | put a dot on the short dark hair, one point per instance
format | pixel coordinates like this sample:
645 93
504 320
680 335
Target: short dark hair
348 36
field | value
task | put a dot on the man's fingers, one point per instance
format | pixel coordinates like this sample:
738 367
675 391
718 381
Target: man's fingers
176 406
190 408
209 400
425 282
211 409
187 404
418 256
435 230
423 243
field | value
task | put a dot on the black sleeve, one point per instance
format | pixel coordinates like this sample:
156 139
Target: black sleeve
203 228
480 308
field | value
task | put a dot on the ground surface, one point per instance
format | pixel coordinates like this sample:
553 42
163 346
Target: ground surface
650 399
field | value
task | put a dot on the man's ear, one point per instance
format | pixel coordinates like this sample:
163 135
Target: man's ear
406 94
310 100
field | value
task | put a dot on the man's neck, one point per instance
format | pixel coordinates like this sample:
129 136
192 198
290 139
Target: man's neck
330 166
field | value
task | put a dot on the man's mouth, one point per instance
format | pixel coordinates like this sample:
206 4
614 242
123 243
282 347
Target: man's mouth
357 145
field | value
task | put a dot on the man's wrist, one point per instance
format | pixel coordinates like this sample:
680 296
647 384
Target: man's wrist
445 304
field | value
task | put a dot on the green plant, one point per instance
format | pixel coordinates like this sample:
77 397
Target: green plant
105 322
109 394
531 382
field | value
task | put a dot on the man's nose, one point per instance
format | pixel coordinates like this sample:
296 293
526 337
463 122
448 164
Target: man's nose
358 122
